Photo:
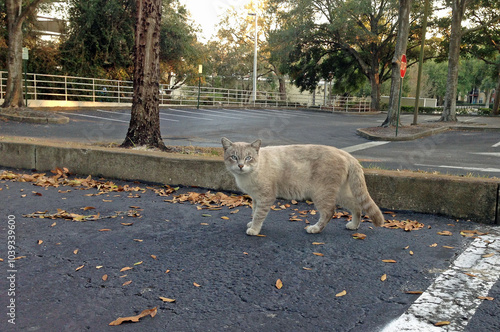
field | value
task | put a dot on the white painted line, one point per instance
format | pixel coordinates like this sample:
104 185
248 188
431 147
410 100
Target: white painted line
251 114
470 120
165 119
479 169
186 116
496 145
201 113
453 296
493 154
363 146
94 117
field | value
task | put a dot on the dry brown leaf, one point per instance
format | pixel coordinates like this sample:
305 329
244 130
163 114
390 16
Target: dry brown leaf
196 285
126 283
75 251
307 268
53 224
318 254
488 255
341 293
261 235
167 271
166 299
138 263
383 277
204 224
388 261
414 292
147 312
105 277
448 247
433 245
318 243
138 240
489 298
88 208
127 223
153 256
104 230
411 252
279 284
445 233
359 236
442 323
126 268
79 268
224 217
471 275
39 242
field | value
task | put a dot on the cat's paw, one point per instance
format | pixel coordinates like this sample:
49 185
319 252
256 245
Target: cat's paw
352 225
249 225
252 231
313 229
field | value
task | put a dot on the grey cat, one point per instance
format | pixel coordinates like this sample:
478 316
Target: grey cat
324 174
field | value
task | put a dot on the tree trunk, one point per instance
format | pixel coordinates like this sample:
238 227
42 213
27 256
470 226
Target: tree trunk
450 97
282 88
496 103
401 44
16 15
375 86
144 127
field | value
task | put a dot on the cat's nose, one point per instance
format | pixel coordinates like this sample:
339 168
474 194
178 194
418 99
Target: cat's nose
240 166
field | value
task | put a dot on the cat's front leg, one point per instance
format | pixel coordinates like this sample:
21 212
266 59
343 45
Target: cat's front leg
260 211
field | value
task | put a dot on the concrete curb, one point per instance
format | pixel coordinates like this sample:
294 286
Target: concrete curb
361 132
52 118
467 198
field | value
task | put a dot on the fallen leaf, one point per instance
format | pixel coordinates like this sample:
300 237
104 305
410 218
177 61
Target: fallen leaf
279 284
405 248
79 268
471 275
107 200
318 254
307 268
138 263
414 292
235 211
388 261
433 245
383 277
442 323
359 236
341 293
138 240
127 223
224 217
318 243
204 224
39 242
104 230
448 247
196 285
206 215
294 202
75 251
166 299
153 256
488 255
445 233
411 252
147 312
261 235
489 298
98 267
104 277
53 224
88 208
167 271
126 283
126 268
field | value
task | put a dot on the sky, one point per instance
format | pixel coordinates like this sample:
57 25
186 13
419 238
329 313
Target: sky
206 13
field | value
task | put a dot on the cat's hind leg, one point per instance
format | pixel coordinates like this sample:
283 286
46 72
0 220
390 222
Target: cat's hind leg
347 200
326 210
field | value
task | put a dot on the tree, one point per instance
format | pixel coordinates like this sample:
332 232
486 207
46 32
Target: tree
364 31
463 9
144 127
16 15
401 44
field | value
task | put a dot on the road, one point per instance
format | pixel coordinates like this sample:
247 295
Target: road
66 274
453 152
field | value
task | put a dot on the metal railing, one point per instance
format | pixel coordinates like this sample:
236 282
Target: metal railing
73 91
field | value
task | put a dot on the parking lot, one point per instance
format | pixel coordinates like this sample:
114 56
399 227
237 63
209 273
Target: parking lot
455 152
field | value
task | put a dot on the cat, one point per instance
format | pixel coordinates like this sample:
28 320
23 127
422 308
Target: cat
323 174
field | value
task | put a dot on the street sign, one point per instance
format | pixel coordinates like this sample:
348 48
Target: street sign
402 68
25 53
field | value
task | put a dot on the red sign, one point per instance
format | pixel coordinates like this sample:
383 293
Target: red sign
402 68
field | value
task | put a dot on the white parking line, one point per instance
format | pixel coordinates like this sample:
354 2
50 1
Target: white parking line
469 168
363 146
202 113
493 154
187 116
165 119
496 145
95 117
454 295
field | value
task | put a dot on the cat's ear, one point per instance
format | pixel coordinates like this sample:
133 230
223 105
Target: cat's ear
256 144
226 143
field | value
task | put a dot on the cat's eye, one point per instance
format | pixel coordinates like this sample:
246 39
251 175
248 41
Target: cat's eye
248 158
234 157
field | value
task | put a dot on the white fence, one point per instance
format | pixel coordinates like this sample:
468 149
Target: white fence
69 91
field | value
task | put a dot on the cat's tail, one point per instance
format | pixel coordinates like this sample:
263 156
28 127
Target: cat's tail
357 184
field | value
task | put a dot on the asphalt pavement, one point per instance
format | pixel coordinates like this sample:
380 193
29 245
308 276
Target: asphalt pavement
139 245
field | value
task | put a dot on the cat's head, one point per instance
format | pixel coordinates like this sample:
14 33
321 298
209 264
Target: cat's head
239 157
